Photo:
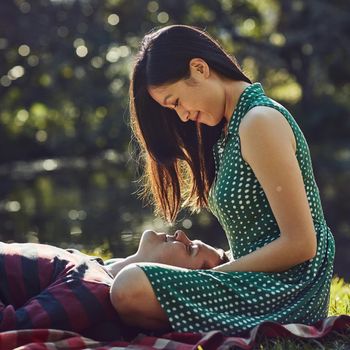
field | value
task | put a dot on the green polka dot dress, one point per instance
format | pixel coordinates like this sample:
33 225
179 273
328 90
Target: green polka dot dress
234 302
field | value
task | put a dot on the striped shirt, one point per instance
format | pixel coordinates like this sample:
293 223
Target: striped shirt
42 286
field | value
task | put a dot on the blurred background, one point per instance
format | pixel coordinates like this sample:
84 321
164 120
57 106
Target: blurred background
67 174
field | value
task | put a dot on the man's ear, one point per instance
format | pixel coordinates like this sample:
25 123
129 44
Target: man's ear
206 266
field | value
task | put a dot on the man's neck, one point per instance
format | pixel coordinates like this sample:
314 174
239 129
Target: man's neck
118 265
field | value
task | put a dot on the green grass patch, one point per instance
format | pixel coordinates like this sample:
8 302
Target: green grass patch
339 305
101 251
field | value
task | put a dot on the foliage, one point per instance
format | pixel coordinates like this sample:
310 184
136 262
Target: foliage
66 171
100 251
340 297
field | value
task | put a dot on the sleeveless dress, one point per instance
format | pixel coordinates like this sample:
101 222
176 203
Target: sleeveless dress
235 302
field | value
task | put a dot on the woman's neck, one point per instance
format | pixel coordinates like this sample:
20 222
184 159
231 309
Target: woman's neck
233 90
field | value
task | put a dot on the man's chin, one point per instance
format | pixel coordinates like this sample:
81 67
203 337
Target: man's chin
186 266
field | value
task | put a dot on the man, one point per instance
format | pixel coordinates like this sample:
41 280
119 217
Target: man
176 250
43 286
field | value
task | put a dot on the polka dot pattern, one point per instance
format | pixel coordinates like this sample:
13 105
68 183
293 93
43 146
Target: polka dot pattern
234 302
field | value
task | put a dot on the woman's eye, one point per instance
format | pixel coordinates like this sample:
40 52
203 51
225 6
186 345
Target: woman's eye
176 103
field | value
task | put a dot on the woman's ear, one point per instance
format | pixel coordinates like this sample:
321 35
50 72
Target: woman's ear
199 69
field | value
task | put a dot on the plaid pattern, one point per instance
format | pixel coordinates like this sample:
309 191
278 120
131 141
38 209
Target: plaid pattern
51 339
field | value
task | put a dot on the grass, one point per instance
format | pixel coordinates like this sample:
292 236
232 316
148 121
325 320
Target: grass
102 251
339 305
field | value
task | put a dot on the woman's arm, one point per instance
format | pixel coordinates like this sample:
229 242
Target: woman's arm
276 256
267 145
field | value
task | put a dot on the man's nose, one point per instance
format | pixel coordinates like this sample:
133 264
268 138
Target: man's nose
182 237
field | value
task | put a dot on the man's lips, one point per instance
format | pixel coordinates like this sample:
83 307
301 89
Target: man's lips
192 247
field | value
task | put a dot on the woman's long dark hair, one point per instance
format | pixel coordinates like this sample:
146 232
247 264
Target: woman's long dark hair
177 157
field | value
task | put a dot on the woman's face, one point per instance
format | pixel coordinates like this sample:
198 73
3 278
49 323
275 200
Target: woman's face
201 98
177 250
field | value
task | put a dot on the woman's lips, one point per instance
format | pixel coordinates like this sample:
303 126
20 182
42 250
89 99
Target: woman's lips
196 119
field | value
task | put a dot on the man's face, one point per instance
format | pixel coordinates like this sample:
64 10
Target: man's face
177 250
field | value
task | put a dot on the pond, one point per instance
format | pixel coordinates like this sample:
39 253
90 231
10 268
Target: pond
92 202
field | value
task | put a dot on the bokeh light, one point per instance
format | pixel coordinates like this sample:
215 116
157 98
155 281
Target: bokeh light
13 206
49 164
163 17
41 135
22 115
81 51
113 54
33 60
277 39
16 72
24 50
97 62
5 81
113 19
153 6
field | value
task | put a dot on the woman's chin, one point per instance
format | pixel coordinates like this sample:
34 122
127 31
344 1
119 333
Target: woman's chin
209 121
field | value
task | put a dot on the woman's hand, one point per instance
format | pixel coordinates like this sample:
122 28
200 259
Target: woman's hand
277 256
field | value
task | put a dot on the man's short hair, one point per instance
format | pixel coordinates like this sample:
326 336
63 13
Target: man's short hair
223 256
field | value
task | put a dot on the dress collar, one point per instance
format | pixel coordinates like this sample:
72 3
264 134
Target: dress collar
241 106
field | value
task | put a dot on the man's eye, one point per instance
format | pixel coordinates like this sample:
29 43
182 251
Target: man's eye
176 103
189 247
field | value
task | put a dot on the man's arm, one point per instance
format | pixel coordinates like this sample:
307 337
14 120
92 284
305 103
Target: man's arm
46 287
69 304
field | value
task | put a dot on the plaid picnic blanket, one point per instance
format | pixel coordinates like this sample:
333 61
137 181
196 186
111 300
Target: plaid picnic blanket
52 339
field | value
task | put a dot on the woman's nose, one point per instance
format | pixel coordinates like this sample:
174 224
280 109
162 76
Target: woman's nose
183 114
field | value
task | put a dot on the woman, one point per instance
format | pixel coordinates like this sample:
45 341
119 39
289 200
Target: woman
211 138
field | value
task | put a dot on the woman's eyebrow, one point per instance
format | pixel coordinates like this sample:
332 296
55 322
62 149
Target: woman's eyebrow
166 97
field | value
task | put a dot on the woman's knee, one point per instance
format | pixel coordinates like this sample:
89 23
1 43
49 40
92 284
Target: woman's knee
133 298
127 288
